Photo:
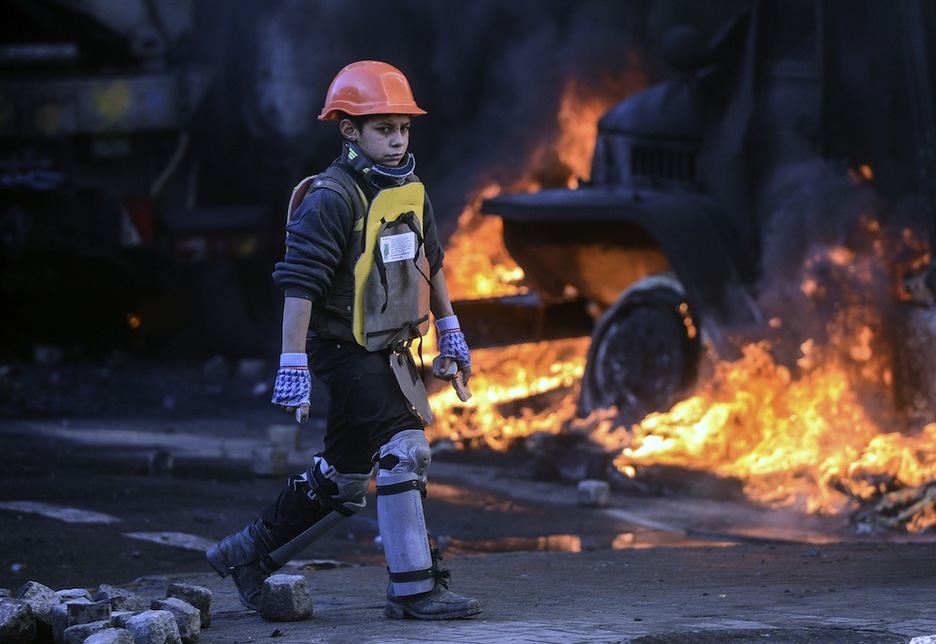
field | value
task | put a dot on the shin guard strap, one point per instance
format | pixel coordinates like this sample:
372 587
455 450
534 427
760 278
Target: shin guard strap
435 572
400 488
325 491
411 575
267 563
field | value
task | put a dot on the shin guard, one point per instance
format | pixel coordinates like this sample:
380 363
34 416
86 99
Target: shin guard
401 481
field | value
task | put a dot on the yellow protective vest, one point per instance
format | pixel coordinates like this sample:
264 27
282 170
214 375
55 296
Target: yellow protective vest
391 276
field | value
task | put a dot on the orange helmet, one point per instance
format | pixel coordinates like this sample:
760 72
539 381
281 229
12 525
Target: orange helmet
369 87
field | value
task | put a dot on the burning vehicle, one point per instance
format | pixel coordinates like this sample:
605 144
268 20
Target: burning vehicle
752 244
667 237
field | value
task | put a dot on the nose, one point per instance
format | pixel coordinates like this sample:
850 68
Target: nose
397 139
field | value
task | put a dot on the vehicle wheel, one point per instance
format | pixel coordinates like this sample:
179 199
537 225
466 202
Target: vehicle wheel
644 353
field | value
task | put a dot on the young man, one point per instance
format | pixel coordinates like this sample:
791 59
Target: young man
361 273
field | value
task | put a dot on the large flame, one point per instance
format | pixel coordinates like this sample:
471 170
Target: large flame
526 388
819 434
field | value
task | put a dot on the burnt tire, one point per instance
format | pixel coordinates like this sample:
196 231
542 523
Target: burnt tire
644 353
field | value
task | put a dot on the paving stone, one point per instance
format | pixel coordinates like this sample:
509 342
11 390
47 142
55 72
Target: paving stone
119 598
188 618
17 622
197 596
111 636
78 633
594 493
153 627
285 598
69 594
85 612
41 598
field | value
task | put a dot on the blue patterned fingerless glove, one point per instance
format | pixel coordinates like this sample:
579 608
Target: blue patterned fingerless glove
293 385
452 342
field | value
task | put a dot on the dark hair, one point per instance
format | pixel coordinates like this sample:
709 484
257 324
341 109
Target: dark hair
358 121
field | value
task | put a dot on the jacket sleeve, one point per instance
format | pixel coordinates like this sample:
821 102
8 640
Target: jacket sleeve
434 252
317 236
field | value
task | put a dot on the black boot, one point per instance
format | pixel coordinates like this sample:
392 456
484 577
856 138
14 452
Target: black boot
438 603
238 555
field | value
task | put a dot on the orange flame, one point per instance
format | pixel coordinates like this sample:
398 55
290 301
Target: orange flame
527 388
807 436
484 267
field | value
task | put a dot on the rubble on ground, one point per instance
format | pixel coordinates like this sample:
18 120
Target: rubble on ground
113 615
109 615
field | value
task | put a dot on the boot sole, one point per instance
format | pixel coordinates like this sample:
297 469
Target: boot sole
395 611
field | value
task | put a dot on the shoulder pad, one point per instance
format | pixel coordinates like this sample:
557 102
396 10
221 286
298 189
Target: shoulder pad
324 179
298 194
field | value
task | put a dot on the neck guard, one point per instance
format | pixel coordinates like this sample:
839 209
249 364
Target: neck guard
381 176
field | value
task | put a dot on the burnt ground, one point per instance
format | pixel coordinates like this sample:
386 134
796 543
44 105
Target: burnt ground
164 447
126 436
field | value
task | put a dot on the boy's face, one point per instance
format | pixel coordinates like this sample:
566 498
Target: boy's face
383 138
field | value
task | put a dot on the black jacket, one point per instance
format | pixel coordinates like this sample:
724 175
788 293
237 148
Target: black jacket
319 260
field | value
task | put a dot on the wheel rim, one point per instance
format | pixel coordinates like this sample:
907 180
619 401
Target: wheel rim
641 358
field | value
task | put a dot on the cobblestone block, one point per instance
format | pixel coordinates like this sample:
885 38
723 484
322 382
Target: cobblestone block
285 598
78 633
71 594
197 596
188 618
42 599
119 598
111 636
17 622
85 612
594 493
61 620
153 627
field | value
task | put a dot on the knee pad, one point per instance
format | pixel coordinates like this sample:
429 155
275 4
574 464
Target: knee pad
337 496
407 451
344 492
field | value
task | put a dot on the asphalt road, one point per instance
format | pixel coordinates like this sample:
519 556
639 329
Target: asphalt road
110 473
123 474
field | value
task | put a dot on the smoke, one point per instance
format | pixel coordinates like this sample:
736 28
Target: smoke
815 208
831 265
489 73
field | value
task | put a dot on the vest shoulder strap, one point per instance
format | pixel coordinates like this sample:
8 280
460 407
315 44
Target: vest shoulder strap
336 180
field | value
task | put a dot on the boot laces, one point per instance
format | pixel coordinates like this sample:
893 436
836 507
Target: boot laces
441 575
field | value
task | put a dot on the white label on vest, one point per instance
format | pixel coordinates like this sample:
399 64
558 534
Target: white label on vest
395 248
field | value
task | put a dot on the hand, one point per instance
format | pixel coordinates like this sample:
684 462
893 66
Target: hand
452 345
293 386
447 369
454 360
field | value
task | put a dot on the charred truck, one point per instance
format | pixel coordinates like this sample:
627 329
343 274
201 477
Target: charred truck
102 207
666 236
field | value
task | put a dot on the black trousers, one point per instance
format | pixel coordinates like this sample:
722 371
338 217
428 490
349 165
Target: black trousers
366 409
